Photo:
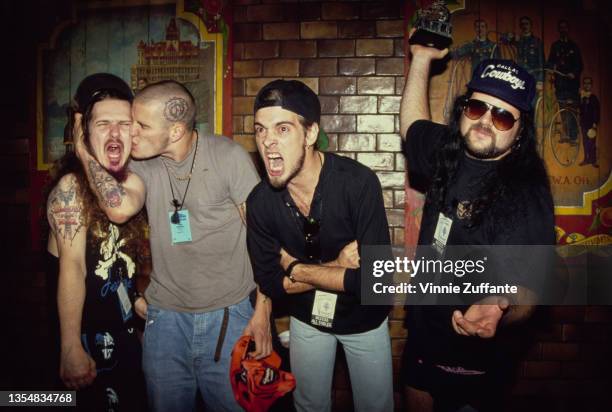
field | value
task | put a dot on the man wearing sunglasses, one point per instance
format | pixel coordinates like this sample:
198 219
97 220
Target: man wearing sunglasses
306 224
197 305
484 183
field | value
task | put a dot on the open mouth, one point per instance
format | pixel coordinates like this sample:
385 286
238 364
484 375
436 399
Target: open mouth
275 164
114 152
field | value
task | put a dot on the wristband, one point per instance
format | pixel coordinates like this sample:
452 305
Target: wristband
290 269
137 295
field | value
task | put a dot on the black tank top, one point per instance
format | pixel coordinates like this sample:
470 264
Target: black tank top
110 281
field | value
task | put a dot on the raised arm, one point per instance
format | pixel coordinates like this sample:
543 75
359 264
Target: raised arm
67 221
415 102
120 201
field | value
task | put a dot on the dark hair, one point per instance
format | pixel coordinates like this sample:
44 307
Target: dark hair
70 164
87 111
273 97
525 18
522 168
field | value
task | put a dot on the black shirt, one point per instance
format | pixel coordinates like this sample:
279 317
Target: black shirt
533 224
348 206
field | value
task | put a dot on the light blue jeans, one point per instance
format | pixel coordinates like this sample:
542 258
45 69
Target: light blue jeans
178 358
368 355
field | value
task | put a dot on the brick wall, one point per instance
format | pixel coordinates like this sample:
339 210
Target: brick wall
351 54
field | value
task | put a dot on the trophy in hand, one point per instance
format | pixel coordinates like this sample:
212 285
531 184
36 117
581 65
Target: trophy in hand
433 27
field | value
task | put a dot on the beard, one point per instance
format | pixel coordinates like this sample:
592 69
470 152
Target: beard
120 175
483 153
280 183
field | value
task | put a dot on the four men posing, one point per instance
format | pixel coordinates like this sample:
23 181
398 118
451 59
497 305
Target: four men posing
307 224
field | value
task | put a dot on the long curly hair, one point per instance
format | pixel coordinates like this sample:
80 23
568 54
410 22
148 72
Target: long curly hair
95 220
514 175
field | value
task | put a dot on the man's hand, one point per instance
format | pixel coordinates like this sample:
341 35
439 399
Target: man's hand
430 53
78 139
481 319
259 328
140 306
77 368
349 256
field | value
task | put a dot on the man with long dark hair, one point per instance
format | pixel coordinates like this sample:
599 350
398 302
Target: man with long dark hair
485 185
100 350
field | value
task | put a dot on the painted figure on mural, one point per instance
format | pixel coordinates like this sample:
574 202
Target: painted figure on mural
478 49
530 51
589 119
566 61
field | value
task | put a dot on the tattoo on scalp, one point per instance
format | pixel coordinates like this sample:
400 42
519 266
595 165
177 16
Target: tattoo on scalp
176 109
64 212
109 190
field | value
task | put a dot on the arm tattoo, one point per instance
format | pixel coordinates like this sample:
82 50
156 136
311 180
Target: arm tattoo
64 212
176 109
108 189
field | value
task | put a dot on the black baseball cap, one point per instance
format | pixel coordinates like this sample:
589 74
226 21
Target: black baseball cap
292 95
505 80
97 82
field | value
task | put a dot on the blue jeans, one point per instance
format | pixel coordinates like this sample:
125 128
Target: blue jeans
368 356
178 357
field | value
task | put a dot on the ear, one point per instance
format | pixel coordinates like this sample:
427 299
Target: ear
176 132
312 134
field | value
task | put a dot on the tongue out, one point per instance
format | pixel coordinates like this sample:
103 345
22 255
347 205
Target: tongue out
113 153
275 166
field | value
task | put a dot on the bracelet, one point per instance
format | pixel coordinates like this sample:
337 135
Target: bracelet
290 269
136 295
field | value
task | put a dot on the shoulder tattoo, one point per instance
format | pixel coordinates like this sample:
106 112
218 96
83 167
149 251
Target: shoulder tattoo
64 211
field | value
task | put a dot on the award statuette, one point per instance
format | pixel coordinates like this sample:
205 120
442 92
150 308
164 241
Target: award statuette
433 27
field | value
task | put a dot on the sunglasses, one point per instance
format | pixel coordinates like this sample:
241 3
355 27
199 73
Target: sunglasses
502 119
311 235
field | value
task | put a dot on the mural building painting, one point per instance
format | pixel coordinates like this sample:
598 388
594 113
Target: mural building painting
140 43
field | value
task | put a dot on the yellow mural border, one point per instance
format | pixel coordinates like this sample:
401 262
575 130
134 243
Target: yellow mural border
217 38
587 201
194 19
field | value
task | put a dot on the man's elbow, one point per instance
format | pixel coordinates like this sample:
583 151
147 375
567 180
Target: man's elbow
272 290
118 217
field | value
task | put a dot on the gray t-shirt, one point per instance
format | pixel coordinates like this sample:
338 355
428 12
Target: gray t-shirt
213 270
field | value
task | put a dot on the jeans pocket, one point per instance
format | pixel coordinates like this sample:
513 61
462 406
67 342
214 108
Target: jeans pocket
153 314
243 309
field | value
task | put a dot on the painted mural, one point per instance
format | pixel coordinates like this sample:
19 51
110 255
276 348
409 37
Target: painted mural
564 47
141 43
